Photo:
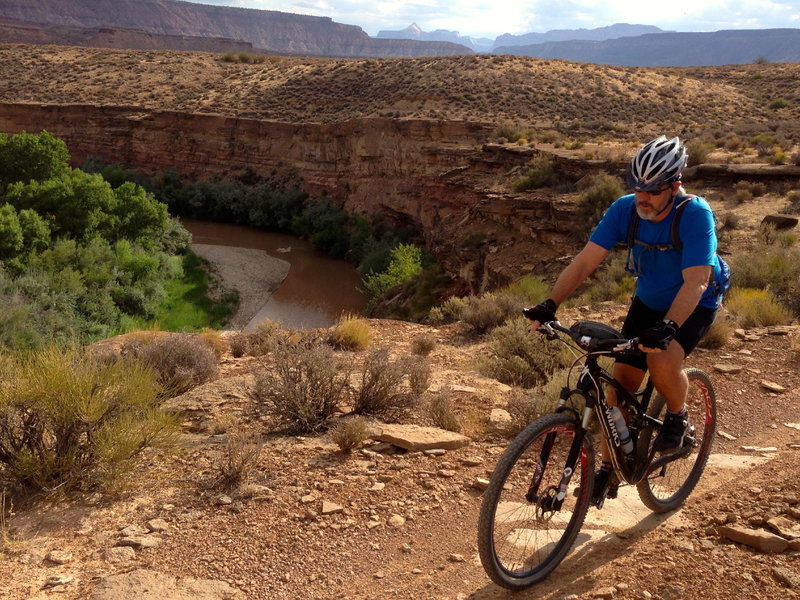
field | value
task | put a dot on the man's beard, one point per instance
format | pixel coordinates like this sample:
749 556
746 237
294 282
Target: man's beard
646 213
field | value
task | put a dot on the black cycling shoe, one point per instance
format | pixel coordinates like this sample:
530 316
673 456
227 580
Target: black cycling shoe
670 438
605 485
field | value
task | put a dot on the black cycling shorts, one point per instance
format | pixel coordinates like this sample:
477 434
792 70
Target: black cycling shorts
641 317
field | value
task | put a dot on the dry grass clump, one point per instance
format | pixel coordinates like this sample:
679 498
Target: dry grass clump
350 434
304 385
719 333
214 340
351 333
441 412
519 358
381 391
181 361
757 308
73 420
239 458
239 343
423 345
793 206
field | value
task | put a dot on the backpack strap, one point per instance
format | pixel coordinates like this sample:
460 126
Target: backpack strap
677 243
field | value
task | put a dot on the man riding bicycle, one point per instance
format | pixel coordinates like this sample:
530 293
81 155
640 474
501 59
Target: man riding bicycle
679 283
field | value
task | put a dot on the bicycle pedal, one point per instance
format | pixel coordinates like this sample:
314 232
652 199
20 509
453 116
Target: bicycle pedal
612 492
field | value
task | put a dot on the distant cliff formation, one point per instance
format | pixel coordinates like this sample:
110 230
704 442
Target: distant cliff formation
278 32
674 49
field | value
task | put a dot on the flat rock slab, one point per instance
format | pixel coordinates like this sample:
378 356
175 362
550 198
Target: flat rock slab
728 368
772 386
144 584
755 538
784 527
416 438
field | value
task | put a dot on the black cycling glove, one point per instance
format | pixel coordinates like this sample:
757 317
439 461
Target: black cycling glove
659 335
542 312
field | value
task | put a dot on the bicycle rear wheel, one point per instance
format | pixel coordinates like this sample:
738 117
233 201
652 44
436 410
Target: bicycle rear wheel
521 538
667 486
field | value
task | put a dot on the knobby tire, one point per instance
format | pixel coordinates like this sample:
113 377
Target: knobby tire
519 544
666 488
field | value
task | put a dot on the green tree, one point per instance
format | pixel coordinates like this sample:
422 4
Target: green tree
29 157
35 231
10 232
79 205
139 215
406 263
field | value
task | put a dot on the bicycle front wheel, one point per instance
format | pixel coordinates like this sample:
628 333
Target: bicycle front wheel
667 486
523 533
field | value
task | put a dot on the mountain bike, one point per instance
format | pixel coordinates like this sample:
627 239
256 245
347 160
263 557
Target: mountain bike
542 485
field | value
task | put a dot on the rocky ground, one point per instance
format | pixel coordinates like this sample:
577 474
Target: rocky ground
385 522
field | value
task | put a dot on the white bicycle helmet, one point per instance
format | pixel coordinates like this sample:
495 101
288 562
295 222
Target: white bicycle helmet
656 164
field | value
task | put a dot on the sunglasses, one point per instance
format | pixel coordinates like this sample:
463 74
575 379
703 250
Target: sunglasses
654 192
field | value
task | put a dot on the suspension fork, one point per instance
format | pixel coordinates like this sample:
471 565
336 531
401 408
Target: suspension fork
574 455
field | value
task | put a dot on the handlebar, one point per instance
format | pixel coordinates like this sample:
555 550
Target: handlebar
614 345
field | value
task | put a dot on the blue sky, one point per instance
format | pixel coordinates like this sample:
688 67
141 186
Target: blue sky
483 18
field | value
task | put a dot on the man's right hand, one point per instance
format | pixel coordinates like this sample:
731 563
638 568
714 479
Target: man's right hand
541 313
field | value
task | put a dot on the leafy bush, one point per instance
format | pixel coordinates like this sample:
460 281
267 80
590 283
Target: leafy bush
610 282
181 361
74 420
405 264
239 458
517 357
350 433
756 188
756 308
304 386
440 410
381 391
30 157
351 333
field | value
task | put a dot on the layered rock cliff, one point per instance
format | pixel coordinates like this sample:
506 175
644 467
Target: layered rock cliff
432 176
267 30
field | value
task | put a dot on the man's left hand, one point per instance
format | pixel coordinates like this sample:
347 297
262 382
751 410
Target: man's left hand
658 337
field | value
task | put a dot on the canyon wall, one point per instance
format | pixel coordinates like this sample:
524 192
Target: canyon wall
432 176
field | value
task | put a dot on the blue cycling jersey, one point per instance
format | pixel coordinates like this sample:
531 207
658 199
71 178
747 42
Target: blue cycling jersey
660 272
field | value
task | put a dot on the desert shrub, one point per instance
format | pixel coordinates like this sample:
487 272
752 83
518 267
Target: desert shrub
603 189
529 289
517 357
525 406
793 197
763 143
436 316
214 340
756 188
454 308
263 340
381 390
441 412
240 344
741 195
779 103
70 419
778 157
756 308
418 371
181 361
423 345
718 334
238 460
610 282
351 333
729 221
304 386
541 172
349 434
486 312
698 151
510 131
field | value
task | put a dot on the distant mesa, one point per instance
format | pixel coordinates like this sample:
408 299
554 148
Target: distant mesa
414 32
611 32
62 21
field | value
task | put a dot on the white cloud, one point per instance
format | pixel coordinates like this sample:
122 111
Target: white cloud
484 18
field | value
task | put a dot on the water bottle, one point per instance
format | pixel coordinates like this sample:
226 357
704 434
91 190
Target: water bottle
625 441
